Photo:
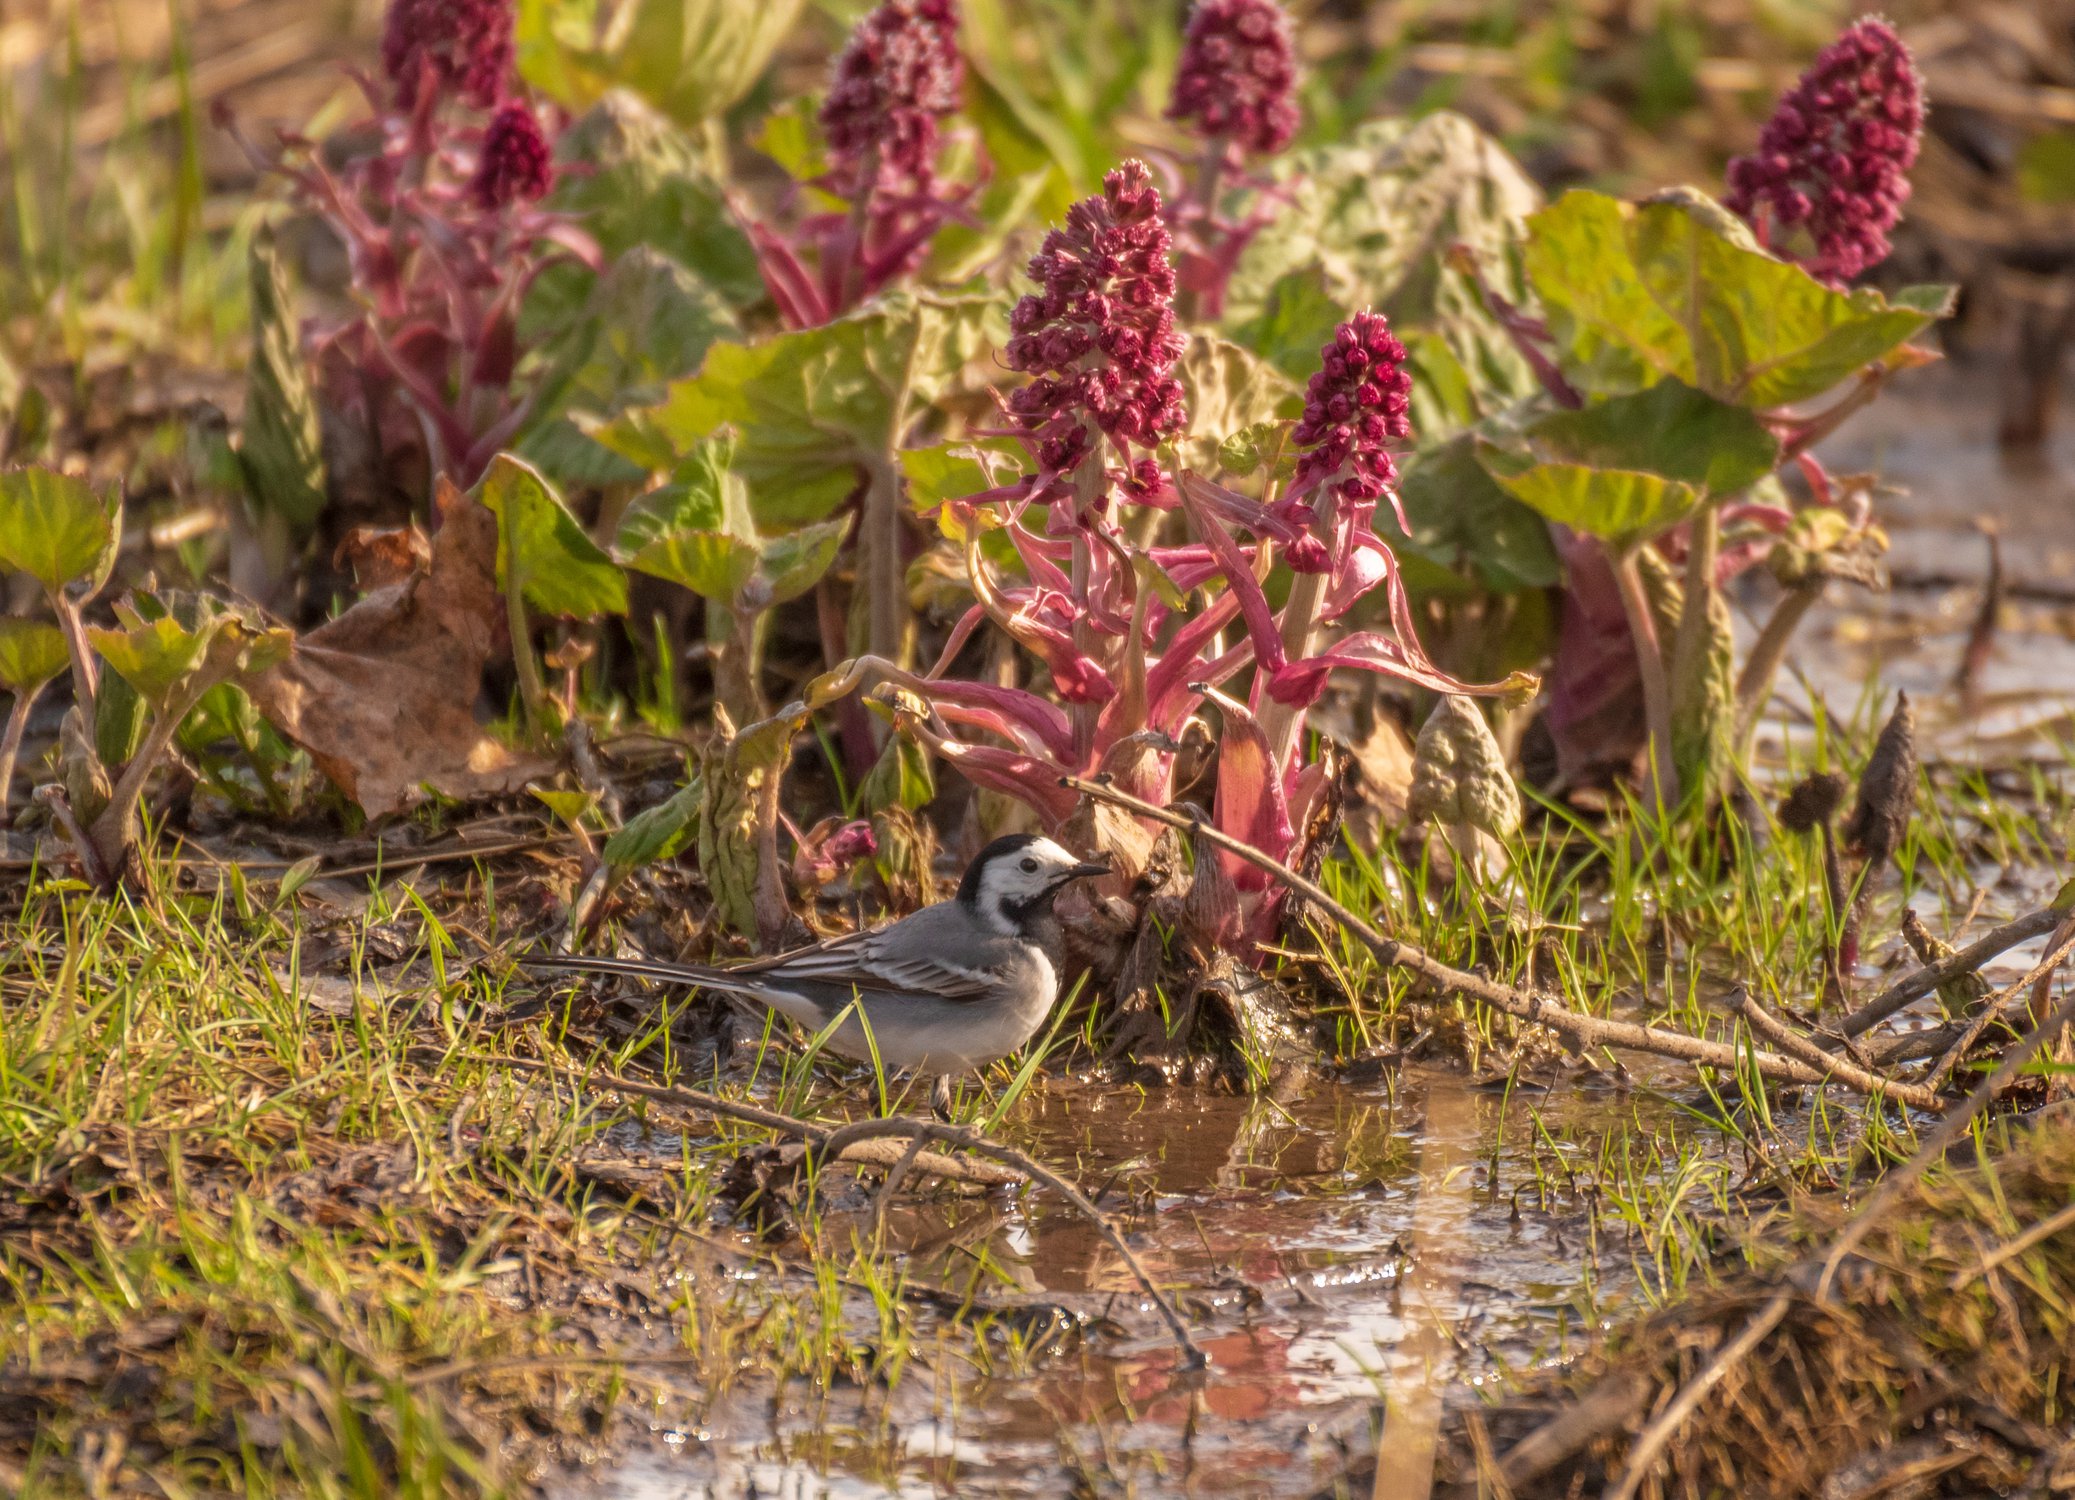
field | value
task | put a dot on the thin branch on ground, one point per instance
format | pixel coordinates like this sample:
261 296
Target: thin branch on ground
2038 1234
1582 1031
814 1135
853 1143
1993 1008
1781 1035
898 1126
1922 982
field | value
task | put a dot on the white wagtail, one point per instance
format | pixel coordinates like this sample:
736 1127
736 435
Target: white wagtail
947 990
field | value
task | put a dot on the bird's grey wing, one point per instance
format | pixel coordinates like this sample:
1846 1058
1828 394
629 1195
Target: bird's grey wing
935 953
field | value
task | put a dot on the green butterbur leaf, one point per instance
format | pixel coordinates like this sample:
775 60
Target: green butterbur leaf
1670 429
903 776
813 405
175 649
691 59
1365 222
645 183
952 471
1461 516
660 832
1618 505
1675 287
543 550
795 562
1228 389
56 529
1297 318
699 533
31 654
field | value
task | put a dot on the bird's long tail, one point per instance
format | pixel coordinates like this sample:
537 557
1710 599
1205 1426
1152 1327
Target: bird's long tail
631 968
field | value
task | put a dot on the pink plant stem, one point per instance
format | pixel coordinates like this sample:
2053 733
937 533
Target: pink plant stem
1089 480
840 271
86 676
1799 437
1282 723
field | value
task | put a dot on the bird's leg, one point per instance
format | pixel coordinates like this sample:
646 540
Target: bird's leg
940 1097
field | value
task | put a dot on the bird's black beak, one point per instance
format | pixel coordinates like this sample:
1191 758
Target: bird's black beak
1084 872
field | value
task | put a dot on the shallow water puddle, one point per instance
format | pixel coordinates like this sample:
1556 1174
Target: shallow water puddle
1933 443
1286 1225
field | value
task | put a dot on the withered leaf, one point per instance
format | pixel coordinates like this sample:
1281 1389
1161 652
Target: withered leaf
383 696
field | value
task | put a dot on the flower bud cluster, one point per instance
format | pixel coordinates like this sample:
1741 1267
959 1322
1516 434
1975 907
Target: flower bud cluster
1356 405
897 78
464 46
1099 336
516 163
1238 74
1834 158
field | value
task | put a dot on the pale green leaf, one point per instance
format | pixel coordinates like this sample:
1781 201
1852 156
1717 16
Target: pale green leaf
1675 287
644 181
543 550
812 405
1460 518
56 529
1617 505
691 59
796 560
1228 390
660 832
1373 220
31 653
1669 429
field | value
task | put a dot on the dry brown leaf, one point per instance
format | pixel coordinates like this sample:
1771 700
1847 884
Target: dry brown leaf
383 697
380 557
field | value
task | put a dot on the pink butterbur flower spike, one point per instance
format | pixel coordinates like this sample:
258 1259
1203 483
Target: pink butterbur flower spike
1831 171
1235 89
460 46
1100 340
515 163
444 230
894 84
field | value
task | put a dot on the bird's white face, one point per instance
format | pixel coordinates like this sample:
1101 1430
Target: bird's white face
1014 882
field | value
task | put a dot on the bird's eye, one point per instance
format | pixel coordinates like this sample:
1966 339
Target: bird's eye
1030 867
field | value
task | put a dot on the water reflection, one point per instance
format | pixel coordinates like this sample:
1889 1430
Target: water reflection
1287 1226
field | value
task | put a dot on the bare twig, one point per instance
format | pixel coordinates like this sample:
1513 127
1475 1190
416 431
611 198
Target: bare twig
1981 638
1643 1456
1582 1031
1754 685
2056 954
862 1131
814 1135
1919 984
1776 1031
